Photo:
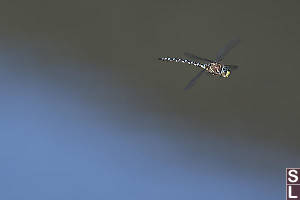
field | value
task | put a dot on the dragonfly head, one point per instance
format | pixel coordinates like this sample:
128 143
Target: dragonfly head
225 71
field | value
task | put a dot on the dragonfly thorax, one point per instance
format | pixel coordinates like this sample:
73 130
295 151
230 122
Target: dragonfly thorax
218 69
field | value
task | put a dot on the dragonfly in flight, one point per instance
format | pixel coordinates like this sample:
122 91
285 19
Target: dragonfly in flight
212 66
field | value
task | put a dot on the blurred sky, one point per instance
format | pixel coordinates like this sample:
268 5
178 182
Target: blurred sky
88 112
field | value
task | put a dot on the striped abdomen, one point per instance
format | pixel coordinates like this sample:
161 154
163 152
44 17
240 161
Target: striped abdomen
183 61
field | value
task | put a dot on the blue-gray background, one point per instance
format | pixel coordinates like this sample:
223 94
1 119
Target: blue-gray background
88 112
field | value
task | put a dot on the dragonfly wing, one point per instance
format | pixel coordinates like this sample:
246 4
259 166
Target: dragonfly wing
225 50
192 56
193 81
233 67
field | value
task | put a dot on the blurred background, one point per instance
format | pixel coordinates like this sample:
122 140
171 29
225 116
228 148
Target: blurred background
88 112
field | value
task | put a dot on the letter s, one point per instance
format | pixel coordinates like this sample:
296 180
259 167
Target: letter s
293 173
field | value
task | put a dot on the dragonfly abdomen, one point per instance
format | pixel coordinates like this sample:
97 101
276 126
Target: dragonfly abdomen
197 64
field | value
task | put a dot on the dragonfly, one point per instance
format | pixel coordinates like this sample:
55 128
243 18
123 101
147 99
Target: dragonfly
214 67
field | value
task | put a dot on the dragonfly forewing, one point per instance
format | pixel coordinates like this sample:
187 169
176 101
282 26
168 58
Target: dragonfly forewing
225 50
